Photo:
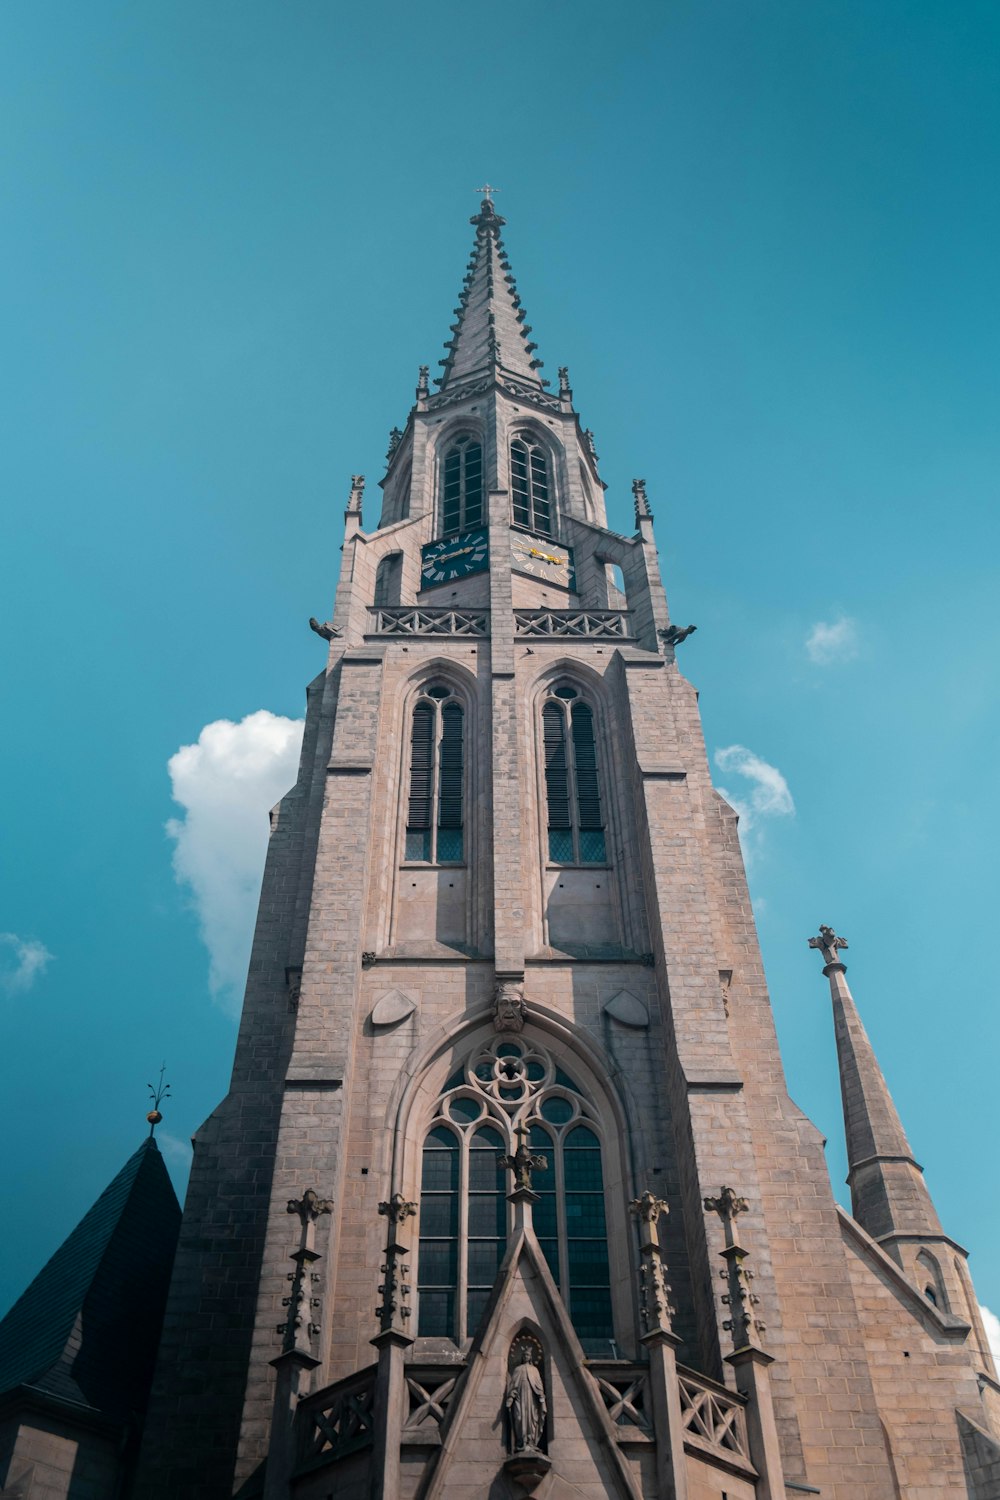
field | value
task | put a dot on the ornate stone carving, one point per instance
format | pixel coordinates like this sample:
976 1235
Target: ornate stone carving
523 1162
297 1329
673 635
309 1206
524 1399
367 958
564 389
642 510
828 944
648 1207
727 1205
397 1209
293 984
743 1323
325 629
395 1288
654 1290
357 494
509 1008
395 438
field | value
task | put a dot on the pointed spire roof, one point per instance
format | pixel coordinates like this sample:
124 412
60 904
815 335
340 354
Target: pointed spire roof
87 1328
489 334
888 1193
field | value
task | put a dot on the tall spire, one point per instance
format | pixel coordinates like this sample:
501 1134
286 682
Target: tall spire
489 334
888 1194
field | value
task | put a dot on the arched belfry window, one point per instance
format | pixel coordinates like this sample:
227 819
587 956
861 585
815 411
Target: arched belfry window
435 809
464 1219
575 821
462 487
389 579
529 485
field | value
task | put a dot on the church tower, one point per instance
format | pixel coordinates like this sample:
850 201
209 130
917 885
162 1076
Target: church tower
508 1195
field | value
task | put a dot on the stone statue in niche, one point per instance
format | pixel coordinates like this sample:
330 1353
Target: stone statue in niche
525 1397
509 1010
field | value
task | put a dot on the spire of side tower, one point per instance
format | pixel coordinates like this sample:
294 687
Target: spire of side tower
888 1194
489 335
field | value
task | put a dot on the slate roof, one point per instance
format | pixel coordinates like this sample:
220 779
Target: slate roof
87 1328
490 333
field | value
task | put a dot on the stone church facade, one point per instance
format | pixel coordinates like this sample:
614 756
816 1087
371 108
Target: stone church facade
508 1195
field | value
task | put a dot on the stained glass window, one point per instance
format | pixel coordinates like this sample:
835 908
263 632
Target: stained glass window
463 1209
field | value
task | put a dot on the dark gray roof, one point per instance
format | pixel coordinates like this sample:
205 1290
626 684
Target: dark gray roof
88 1326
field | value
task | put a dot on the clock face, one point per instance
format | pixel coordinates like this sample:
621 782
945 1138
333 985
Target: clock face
454 557
543 558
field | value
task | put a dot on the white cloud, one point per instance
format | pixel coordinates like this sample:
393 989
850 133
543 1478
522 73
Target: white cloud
766 794
992 1325
836 642
227 783
22 960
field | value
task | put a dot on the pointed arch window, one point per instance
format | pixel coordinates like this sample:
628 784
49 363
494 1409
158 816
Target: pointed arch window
389 579
462 487
435 811
464 1214
575 819
529 485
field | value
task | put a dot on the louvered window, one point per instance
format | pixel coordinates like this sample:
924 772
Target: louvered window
464 1214
434 817
462 488
572 785
529 486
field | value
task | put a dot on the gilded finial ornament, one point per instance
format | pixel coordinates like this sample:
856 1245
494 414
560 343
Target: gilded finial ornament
158 1093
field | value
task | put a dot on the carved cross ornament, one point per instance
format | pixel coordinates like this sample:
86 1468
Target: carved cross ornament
727 1205
397 1209
523 1162
828 944
309 1207
648 1207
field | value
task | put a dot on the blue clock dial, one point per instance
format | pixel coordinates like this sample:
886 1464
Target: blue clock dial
454 557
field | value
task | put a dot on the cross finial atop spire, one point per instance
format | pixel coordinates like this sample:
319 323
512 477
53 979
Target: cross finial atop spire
828 943
487 191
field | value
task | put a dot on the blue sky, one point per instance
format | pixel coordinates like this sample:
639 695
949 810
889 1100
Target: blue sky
762 236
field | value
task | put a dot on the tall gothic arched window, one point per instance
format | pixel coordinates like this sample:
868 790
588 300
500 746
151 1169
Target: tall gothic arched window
529 485
464 1220
462 487
435 810
575 822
